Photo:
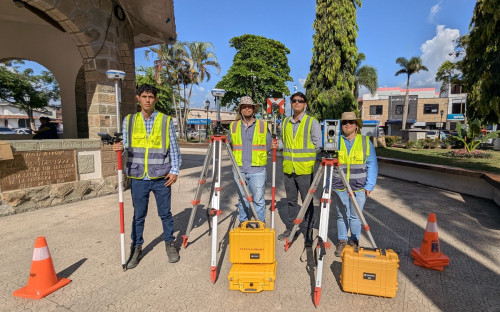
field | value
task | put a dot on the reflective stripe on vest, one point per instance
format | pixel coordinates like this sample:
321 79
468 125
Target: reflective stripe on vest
353 163
299 154
259 143
148 154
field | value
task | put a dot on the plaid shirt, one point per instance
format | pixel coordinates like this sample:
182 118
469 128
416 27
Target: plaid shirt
174 152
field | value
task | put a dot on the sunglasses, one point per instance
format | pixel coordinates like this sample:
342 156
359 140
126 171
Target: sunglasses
345 122
298 101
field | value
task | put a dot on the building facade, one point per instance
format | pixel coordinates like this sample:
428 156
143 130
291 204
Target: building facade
427 109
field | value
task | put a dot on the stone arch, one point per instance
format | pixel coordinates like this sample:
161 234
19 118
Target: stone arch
98 41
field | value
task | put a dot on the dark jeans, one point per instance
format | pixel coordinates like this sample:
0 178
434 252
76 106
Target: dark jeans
140 197
295 184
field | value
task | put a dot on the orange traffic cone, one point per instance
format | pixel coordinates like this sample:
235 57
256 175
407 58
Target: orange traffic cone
43 279
429 254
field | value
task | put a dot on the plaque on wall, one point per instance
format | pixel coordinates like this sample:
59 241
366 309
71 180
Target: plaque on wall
37 168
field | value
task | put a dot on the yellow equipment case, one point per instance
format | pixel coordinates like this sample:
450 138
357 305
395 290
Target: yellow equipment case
252 252
252 243
370 271
252 277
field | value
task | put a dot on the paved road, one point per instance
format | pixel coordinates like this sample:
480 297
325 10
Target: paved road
83 238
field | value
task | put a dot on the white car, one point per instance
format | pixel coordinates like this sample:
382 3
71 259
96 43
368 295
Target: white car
432 135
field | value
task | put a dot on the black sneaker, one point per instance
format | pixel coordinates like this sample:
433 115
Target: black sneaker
172 253
135 257
286 234
339 247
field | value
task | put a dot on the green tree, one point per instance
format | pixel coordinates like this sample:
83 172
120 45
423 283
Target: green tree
164 104
408 67
448 74
481 65
260 69
25 90
333 63
365 75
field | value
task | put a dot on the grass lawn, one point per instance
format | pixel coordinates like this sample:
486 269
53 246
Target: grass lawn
439 157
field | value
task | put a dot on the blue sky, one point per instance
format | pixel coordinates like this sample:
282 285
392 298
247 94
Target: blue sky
388 29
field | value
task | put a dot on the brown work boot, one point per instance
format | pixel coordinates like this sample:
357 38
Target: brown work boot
339 247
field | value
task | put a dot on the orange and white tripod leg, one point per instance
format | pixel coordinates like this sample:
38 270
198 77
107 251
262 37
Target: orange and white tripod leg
323 243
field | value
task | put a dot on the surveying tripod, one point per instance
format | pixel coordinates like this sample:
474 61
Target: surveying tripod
213 210
328 164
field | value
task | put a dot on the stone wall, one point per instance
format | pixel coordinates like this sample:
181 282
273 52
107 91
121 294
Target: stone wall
94 166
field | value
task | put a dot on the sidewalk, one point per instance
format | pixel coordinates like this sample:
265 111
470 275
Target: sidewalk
84 242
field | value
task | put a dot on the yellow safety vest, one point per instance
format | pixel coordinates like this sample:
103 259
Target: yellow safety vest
148 154
259 143
299 153
353 163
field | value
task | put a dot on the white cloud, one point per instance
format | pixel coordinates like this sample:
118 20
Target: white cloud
201 89
434 52
302 81
434 10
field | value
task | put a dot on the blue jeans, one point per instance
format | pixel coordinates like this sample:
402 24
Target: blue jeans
346 213
256 183
140 190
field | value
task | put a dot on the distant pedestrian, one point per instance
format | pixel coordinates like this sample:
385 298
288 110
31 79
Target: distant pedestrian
46 130
358 161
153 165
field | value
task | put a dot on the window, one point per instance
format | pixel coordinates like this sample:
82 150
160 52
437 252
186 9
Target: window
376 109
399 110
431 108
458 108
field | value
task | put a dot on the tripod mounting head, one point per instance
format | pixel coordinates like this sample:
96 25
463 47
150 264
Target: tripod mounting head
108 139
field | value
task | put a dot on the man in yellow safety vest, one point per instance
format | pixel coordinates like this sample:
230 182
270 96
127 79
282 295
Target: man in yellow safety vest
250 141
301 142
153 165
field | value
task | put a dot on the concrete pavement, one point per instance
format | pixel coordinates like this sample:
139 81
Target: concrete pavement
83 239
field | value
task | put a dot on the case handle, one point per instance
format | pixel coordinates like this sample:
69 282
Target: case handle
252 225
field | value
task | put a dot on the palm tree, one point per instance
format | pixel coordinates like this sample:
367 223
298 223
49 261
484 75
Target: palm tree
200 59
365 75
409 67
169 68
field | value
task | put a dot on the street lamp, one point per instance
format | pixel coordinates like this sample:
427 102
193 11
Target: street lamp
27 99
207 106
441 128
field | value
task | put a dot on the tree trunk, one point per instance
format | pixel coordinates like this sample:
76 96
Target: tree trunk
407 103
31 120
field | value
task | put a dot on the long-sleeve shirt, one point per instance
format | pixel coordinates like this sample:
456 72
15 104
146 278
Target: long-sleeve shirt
247 137
173 148
371 164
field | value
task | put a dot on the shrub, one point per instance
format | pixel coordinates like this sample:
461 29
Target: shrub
417 144
465 154
390 140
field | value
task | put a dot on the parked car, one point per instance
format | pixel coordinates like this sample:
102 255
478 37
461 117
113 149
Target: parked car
5 130
432 135
22 130
445 134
